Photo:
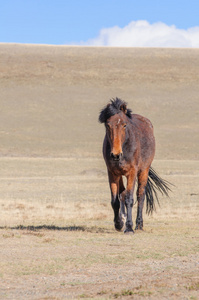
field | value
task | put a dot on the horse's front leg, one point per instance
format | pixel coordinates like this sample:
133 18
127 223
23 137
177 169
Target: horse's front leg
115 202
129 201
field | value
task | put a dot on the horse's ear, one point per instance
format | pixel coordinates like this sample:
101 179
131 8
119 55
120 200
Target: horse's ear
123 108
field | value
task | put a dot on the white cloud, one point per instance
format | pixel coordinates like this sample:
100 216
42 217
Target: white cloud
143 34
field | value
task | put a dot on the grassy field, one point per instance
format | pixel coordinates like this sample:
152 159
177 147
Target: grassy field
57 238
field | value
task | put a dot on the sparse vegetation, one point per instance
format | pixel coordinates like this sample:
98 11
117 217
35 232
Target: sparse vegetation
57 238
193 287
137 291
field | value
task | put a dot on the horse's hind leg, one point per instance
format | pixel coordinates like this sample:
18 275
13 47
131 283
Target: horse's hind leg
142 182
122 199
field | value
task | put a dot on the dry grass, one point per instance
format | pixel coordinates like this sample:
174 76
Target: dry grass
51 197
50 94
57 237
72 214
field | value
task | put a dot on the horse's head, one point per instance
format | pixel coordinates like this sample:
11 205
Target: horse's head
116 133
115 117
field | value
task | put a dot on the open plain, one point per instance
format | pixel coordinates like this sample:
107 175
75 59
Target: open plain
57 238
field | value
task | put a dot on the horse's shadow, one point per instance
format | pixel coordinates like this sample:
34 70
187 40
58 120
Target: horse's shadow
92 229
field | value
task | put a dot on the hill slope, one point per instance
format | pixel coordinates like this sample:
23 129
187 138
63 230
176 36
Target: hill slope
51 97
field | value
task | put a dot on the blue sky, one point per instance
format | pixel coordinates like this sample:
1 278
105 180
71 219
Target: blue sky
62 22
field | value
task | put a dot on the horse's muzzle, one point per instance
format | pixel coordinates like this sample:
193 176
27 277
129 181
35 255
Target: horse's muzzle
116 157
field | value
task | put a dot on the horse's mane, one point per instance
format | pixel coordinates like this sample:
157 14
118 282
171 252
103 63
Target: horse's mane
114 107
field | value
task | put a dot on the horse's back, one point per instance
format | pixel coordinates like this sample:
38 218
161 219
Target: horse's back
144 129
141 121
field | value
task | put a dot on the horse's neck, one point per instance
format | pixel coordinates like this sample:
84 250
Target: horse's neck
130 140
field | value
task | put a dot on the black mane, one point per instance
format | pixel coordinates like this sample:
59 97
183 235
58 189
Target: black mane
114 107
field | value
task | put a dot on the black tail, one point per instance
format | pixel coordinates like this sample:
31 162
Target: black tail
154 184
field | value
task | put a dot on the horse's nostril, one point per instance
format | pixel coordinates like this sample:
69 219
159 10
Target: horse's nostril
112 155
116 156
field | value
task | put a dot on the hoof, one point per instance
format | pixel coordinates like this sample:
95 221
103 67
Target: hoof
119 226
139 227
128 231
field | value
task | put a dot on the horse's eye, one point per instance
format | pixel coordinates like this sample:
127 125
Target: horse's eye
124 125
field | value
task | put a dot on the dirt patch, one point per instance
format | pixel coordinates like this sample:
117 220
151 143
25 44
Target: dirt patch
91 264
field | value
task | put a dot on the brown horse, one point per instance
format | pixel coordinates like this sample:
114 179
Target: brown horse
128 149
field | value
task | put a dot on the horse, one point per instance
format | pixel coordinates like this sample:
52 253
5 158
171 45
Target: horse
128 150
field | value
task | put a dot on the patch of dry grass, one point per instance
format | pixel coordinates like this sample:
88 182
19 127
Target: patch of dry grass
56 222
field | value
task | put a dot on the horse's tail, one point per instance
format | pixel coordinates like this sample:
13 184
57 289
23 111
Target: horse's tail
155 183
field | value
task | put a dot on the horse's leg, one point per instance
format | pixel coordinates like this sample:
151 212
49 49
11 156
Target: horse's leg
115 202
142 182
129 201
122 199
